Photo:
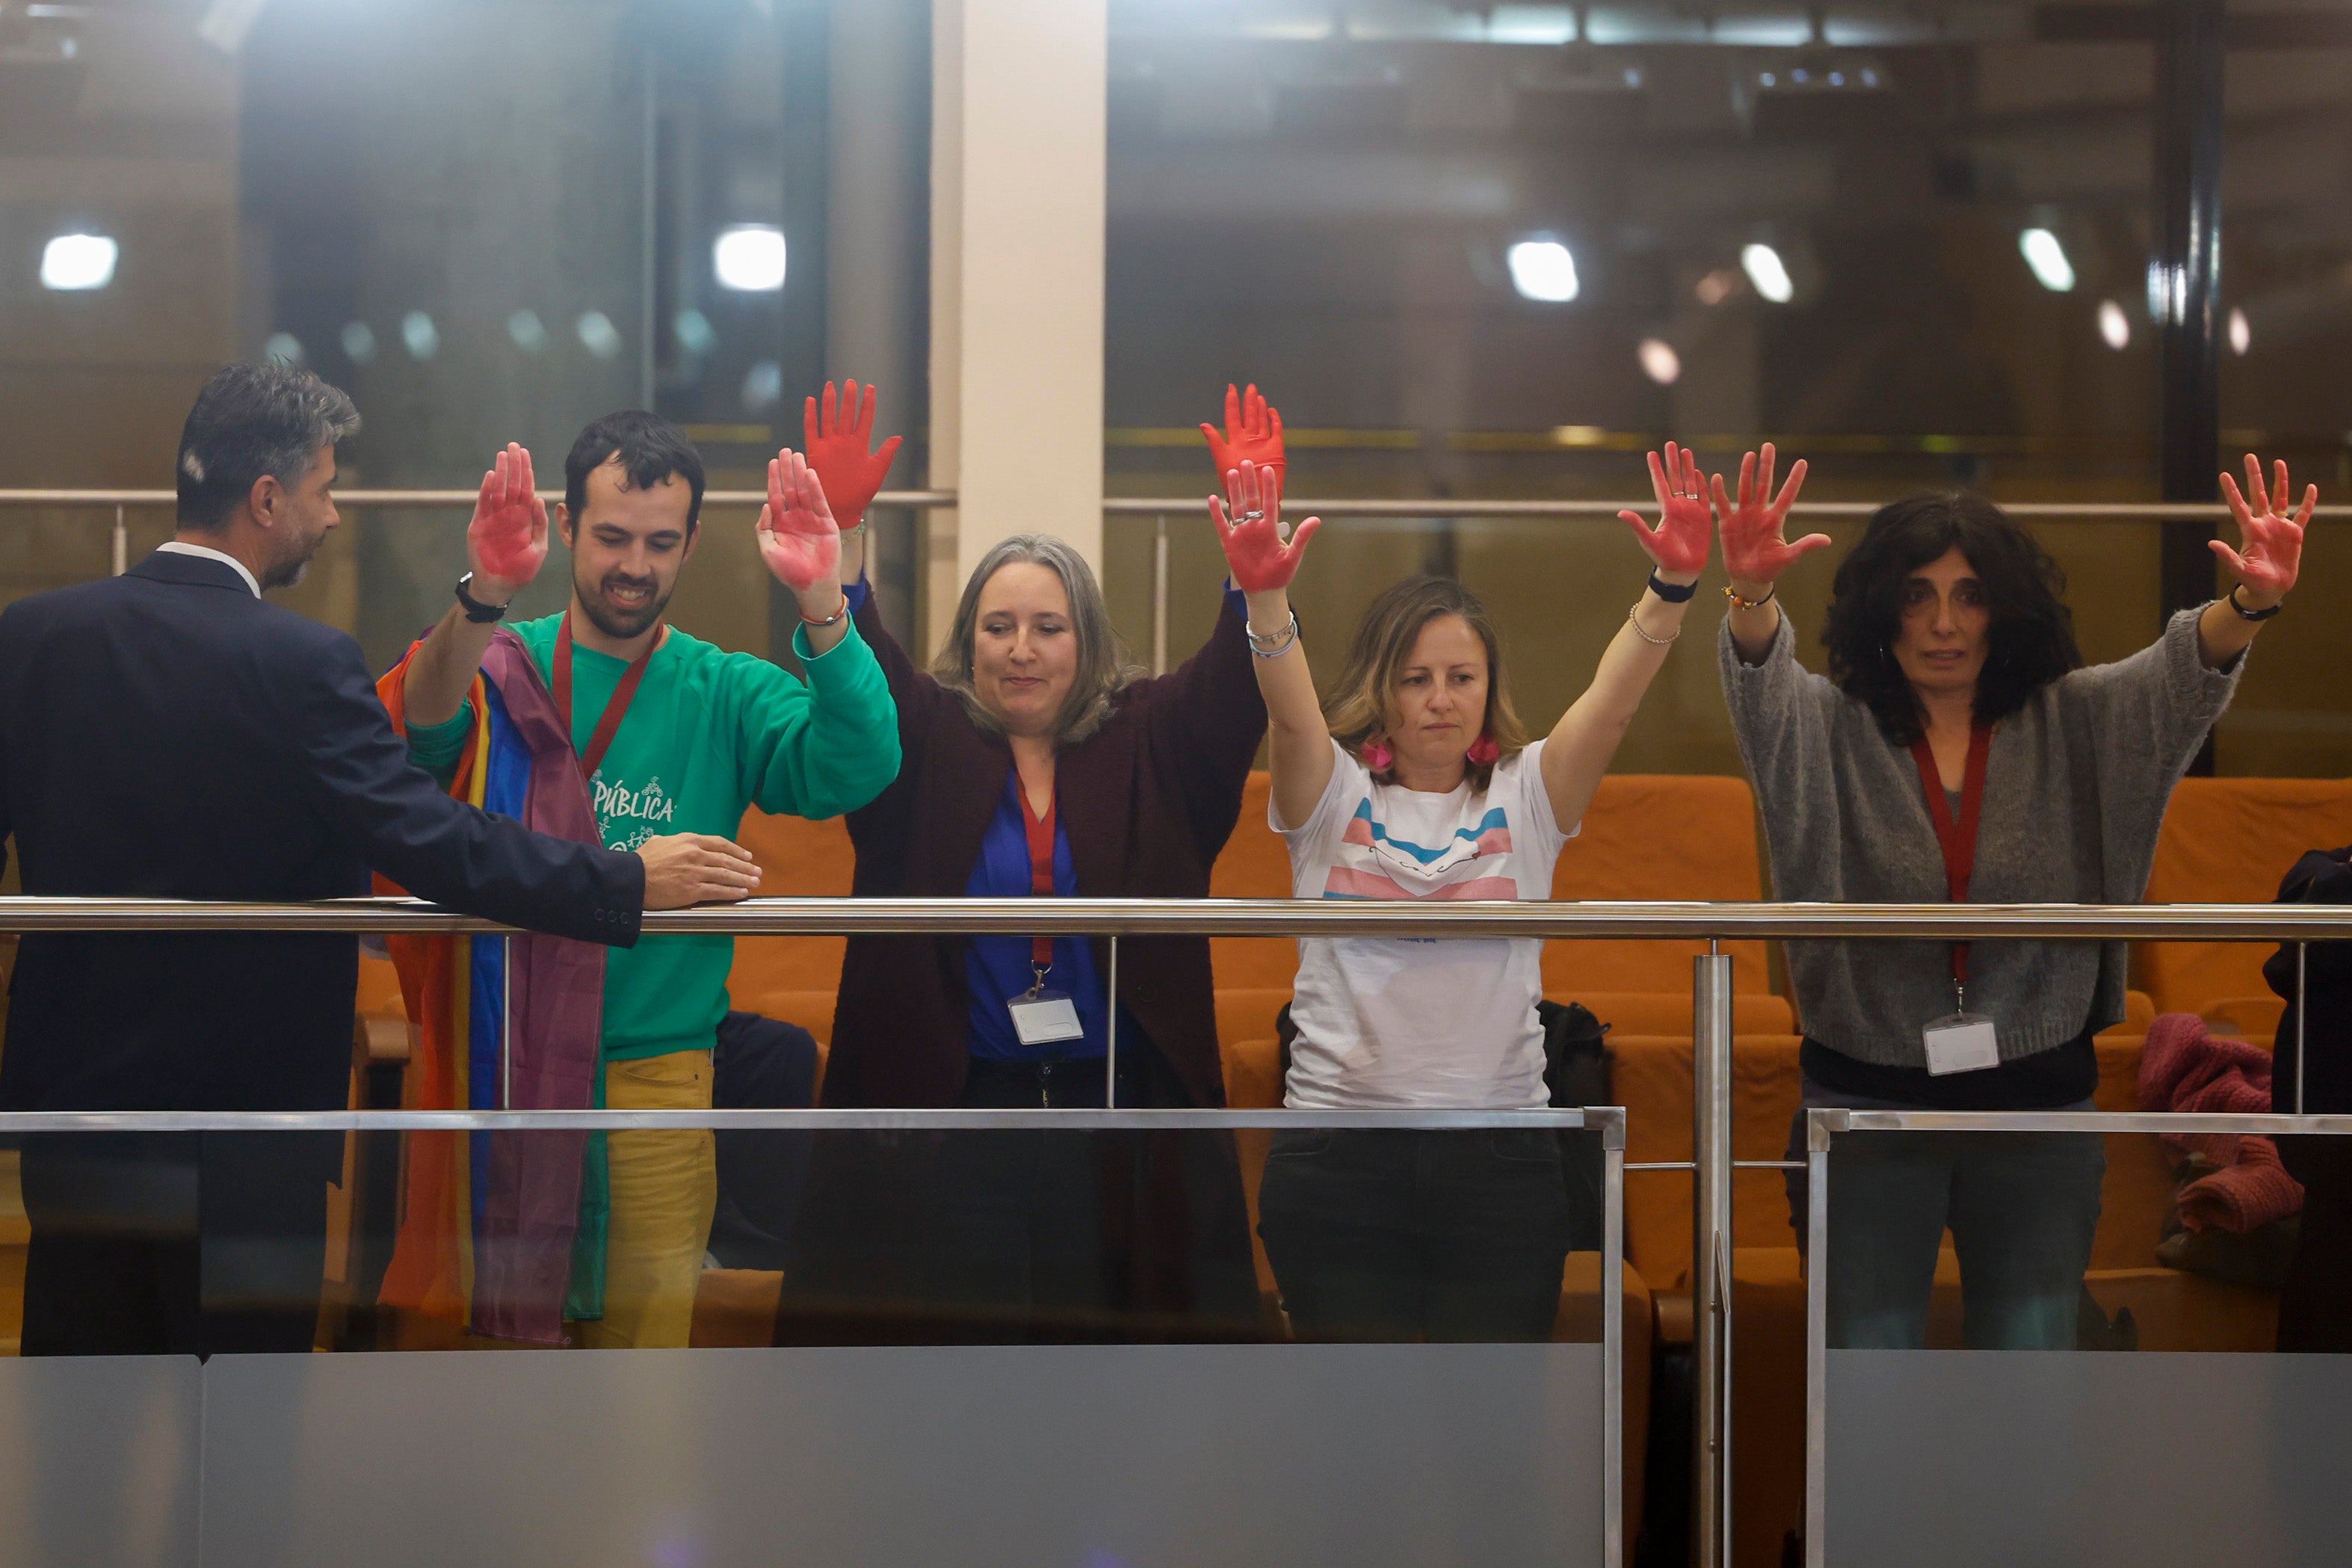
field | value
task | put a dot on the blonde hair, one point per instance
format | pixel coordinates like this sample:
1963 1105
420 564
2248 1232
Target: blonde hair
1362 699
1103 672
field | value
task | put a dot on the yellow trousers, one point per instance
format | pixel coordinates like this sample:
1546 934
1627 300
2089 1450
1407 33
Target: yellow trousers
664 1188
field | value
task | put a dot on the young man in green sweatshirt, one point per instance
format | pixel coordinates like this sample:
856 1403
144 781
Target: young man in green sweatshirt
675 737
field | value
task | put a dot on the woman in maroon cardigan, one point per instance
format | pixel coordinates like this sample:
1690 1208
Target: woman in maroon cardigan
1034 762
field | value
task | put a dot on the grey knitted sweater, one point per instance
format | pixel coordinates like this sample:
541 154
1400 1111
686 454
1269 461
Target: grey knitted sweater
2074 790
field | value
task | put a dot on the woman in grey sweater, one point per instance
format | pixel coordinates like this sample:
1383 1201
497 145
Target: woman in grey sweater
1958 721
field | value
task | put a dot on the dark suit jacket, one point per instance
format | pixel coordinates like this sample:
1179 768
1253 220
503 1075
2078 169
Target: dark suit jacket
166 734
1148 800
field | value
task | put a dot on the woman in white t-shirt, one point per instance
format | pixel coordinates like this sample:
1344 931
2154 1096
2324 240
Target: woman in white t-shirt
1413 780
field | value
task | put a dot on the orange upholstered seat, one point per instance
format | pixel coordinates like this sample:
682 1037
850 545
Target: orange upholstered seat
793 977
2229 841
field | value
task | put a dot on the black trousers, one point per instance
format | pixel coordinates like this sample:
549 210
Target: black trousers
1404 1234
1022 1235
175 1243
2315 1302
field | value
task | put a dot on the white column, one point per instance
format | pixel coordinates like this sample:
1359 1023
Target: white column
1018 169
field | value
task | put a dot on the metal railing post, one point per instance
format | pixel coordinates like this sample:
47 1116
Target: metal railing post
1111 1035
2302 956
1612 1343
1817 1338
121 545
1711 1257
1160 595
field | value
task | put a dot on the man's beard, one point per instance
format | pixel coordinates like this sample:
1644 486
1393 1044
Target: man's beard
616 623
284 573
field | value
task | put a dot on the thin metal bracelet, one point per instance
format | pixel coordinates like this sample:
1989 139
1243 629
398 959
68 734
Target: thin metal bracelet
1256 639
1632 619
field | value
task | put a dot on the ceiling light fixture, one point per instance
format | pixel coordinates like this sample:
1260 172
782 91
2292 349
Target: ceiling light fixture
749 258
79 262
1768 272
2047 256
1543 269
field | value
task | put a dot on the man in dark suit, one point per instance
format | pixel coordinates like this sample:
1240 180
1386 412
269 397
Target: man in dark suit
168 734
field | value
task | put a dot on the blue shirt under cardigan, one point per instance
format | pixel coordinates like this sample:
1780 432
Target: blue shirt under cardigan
998 969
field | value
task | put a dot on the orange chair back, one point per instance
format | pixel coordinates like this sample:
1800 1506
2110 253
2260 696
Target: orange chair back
793 977
2229 841
1663 837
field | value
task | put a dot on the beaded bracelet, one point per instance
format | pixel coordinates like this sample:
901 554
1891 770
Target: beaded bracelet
1280 640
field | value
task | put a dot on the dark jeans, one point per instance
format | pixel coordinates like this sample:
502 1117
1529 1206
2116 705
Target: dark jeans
178 1244
2022 1208
1401 1235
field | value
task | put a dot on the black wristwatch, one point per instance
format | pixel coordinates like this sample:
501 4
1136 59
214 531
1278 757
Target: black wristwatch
478 613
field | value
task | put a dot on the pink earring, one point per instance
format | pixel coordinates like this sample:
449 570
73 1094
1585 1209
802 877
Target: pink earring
1485 750
1378 757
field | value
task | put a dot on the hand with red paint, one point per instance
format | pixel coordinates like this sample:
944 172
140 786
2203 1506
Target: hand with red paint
507 541
1249 525
1756 547
1252 434
1684 532
798 538
839 439
2270 541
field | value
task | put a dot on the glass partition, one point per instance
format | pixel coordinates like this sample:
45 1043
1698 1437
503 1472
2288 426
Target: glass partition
1055 1331
1942 1243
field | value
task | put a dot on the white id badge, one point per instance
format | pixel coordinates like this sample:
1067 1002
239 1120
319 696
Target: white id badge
1042 1018
1962 1042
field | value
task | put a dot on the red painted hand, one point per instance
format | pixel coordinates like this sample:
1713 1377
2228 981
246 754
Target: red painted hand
839 439
1681 540
1755 549
2270 543
798 538
1249 525
1252 434
507 541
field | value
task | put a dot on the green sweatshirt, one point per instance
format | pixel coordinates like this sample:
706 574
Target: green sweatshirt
708 734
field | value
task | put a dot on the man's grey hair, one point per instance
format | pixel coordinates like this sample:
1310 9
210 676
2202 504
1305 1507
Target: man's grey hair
252 420
1103 672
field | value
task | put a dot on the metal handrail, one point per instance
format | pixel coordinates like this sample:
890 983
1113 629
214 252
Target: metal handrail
421 498
1830 1122
1336 506
1532 919
1607 1120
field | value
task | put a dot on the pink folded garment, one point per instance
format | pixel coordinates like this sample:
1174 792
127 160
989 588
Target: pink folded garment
2244 1196
2186 1067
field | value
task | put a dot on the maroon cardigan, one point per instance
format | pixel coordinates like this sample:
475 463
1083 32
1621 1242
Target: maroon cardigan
1146 801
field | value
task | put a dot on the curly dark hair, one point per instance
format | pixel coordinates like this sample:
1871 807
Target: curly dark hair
2033 633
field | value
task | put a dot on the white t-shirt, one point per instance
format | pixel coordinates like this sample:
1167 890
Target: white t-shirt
1390 1021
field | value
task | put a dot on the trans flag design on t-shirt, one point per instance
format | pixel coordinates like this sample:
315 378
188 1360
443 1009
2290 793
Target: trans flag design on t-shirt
1374 864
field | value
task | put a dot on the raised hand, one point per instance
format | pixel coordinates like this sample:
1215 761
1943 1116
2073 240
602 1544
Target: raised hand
1253 433
507 541
1249 525
1755 549
2270 541
1679 544
798 538
839 439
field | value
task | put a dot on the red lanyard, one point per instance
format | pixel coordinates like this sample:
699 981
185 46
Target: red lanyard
615 709
1958 839
1041 866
